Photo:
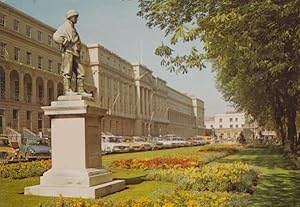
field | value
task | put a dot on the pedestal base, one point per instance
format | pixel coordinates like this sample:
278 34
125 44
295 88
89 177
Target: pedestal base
73 191
76 155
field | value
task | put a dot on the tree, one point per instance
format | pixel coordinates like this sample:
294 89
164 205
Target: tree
254 47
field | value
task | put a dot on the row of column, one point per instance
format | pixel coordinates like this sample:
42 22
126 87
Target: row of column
146 102
33 88
120 98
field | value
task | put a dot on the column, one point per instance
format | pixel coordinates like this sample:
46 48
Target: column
147 102
33 98
45 99
142 101
21 87
7 85
55 90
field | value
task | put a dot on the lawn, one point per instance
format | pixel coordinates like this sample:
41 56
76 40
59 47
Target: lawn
278 184
11 191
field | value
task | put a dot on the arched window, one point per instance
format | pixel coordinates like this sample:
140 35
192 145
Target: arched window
27 88
14 85
2 83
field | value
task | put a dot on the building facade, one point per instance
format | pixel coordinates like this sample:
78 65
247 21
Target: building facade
226 126
138 102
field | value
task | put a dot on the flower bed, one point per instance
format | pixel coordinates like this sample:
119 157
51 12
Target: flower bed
24 169
203 156
215 177
163 163
176 199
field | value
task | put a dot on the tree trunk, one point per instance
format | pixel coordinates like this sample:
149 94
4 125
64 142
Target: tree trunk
291 110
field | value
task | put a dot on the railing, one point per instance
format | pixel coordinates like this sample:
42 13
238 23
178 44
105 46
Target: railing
28 134
13 135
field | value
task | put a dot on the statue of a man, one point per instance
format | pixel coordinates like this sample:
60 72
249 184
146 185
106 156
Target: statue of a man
67 36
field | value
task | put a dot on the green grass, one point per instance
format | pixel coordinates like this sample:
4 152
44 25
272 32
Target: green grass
146 190
11 191
278 184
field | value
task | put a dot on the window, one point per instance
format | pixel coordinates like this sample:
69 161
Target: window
230 119
220 126
59 68
236 119
28 58
16 25
231 125
28 115
2 49
16 90
101 101
40 60
40 121
28 30
2 86
220 120
236 126
15 114
2 19
17 54
49 40
40 93
39 36
49 65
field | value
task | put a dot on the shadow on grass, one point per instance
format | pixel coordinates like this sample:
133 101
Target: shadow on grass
278 184
261 157
278 189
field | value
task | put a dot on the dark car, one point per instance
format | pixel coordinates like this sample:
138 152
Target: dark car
8 150
35 148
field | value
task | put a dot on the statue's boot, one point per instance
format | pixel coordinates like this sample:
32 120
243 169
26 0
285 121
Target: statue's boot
80 88
67 86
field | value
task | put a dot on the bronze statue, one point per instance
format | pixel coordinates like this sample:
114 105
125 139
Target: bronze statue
67 36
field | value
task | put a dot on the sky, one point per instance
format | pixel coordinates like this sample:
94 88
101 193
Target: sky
115 25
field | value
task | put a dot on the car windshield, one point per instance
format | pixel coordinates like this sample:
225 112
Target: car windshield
4 143
114 139
42 142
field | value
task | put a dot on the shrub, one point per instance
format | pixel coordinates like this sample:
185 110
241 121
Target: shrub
215 177
25 169
176 199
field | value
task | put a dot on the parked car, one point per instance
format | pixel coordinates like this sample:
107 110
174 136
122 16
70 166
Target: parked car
156 144
111 143
202 140
8 151
145 144
165 143
35 148
133 146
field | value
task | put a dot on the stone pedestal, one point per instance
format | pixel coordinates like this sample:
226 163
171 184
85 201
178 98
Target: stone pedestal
76 155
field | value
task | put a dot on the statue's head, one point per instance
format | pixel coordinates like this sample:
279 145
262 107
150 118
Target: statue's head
72 15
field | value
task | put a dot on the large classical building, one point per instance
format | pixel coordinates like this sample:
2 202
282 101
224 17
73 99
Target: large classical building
138 102
226 126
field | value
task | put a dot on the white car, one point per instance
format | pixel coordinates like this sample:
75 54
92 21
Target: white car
165 143
111 143
201 140
142 141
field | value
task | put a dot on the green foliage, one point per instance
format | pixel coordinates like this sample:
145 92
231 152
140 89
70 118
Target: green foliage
24 170
254 47
214 177
174 199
